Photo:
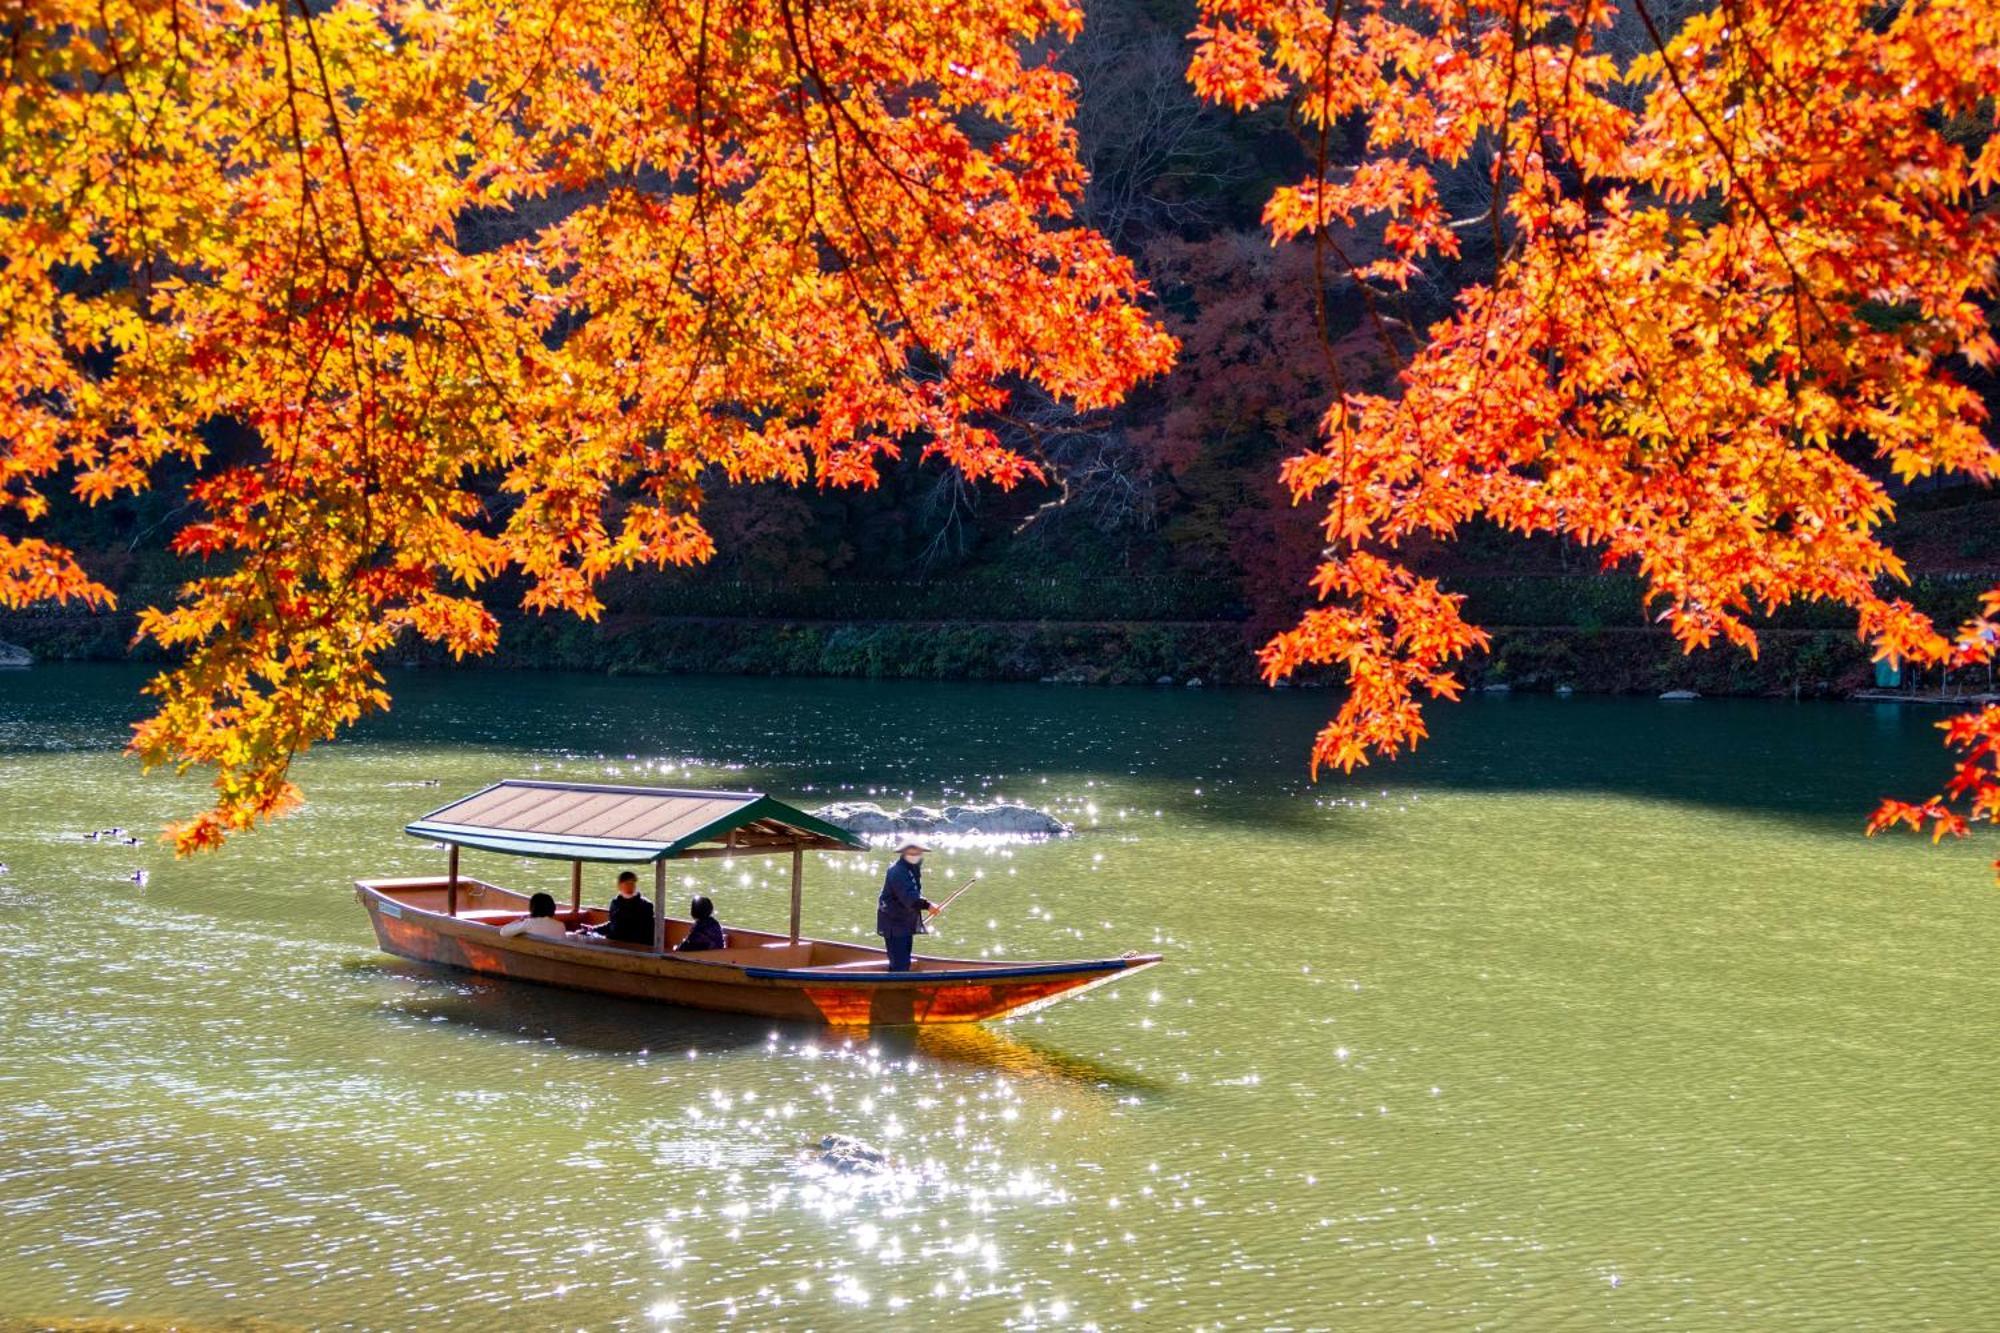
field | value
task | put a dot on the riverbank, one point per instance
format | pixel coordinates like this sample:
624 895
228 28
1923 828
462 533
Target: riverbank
1529 658
1591 660
1587 633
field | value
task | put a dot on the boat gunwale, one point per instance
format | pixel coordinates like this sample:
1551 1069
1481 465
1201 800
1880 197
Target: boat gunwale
981 971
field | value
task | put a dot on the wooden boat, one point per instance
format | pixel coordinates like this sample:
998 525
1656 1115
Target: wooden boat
455 920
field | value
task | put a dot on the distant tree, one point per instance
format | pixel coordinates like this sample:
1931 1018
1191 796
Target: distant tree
1737 263
1159 159
1256 369
584 257
767 532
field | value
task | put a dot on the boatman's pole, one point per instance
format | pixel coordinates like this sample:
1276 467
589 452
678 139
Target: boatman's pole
575 889
451 882
954 897
659 906
798 884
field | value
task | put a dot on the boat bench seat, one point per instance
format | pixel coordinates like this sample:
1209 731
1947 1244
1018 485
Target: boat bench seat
759 955
782 954
502 916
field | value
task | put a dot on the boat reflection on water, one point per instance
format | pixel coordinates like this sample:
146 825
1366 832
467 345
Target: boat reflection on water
578 1020
1008 1049
607 1025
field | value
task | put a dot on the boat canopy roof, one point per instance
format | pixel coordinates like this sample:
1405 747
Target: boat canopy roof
581 821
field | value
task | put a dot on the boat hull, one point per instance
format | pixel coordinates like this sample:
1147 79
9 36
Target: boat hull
813 981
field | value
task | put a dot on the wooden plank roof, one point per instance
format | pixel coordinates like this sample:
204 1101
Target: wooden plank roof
580 821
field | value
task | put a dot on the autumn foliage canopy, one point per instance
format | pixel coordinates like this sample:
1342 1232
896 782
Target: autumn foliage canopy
585 255
582 253
1739 260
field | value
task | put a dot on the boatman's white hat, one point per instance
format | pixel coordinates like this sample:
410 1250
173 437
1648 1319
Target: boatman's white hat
911 846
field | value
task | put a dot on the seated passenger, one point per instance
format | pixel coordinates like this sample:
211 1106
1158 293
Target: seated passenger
631 915
706 932
540 921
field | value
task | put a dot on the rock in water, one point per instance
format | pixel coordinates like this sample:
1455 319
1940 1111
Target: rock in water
1001 818
1004 818
851 1156
863 817
12 655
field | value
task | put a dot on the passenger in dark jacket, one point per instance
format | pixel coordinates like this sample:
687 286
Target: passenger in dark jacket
899 913
706 933
631 915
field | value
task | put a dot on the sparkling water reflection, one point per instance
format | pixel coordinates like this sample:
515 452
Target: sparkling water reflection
1599 1014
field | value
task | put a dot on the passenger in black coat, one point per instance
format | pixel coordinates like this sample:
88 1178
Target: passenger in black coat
631 915
899 912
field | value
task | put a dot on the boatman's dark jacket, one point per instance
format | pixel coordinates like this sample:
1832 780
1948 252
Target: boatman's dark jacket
900 910
631 920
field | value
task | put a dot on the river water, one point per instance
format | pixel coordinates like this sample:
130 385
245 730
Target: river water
1596 1014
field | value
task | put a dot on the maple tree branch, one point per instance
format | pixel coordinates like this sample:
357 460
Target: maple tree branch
913 187
892 365
1500 144
1321 243
698 359
339 138
506 103
1801 291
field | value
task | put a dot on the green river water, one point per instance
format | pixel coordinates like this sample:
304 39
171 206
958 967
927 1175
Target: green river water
1597 1014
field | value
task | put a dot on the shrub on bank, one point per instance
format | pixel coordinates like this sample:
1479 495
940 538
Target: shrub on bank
1585 632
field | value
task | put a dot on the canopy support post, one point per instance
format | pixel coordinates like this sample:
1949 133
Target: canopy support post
659 907
798 884
451 882
575 888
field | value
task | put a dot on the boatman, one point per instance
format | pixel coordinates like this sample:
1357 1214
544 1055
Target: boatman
899 914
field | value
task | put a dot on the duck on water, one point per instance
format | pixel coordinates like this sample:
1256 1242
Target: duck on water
457 921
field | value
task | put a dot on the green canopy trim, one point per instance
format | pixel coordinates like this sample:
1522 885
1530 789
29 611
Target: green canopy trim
578 821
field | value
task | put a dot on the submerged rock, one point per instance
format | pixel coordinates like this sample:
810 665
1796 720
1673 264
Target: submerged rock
851 1156
1003 818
